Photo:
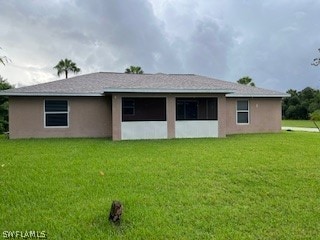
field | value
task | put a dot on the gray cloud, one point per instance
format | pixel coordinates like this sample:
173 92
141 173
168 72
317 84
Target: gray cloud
208 52
272 41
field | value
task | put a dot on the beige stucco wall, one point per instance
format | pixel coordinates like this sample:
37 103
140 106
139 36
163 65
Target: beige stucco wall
88 117
171 116
222 122
101 117
116 117
264 116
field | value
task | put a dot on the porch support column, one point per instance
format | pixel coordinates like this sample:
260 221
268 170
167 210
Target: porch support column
222 116
171 116
116 117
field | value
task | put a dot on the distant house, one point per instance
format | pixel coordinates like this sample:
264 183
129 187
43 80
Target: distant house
141 106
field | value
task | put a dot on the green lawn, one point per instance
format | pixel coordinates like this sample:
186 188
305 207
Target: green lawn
259 186
299 123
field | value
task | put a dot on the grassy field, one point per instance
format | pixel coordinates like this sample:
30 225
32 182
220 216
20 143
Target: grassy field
260 186
299 123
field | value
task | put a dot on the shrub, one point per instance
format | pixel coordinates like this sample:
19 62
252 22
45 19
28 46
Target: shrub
315 116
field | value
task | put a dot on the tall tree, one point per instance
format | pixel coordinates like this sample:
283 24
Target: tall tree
301 104
316 61
4 85
66 66
134 69
246 81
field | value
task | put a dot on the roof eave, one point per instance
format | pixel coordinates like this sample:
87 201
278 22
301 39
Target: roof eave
257 95
37 94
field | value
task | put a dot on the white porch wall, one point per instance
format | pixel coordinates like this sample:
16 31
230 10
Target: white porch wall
196 129
144 130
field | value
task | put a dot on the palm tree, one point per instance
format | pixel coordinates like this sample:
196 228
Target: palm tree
134 69
246 81
66 66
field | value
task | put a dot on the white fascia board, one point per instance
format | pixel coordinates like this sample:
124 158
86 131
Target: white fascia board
257 95
155 90
37 94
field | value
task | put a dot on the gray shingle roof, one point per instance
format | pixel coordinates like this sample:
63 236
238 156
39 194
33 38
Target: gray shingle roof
97 84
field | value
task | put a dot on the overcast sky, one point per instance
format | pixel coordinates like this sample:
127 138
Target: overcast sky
272 41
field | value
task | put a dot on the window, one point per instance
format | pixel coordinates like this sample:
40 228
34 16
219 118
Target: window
143 109
196 109
56 113
242 112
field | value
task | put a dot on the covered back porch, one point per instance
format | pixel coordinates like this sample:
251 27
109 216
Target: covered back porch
161 116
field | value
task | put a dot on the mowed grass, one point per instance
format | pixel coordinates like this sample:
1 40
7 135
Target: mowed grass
300 123
260 186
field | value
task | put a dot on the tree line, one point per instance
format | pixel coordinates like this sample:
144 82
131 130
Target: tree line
301 105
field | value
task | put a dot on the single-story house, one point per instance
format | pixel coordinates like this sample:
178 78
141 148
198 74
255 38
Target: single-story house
141 106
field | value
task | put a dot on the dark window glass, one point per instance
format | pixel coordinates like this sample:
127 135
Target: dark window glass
242 105
243 117
196 109
56 106
143 109
56 119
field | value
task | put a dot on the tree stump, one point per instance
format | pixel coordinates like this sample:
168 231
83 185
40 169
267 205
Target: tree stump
115 211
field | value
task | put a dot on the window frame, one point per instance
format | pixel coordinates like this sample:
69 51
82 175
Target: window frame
243 111
57 112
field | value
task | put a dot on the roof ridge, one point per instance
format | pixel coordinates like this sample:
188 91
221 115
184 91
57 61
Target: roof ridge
183 74
126 73
158 73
